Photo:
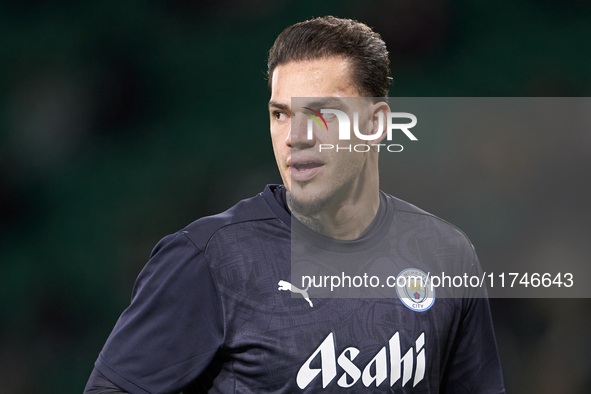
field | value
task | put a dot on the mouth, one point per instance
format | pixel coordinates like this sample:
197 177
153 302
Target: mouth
303 167
305 170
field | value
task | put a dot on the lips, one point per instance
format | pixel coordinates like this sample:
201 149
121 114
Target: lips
302 170
306 166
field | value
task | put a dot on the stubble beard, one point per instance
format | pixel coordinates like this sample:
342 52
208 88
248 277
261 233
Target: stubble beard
310 209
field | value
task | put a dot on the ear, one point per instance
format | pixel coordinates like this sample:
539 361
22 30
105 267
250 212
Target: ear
380 109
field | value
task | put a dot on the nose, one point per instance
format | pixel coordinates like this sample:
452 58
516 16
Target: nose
298 136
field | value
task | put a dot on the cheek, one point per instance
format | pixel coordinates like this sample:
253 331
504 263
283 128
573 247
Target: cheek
279 132
277 140
347 165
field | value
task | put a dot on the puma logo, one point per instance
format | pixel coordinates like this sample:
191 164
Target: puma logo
283 285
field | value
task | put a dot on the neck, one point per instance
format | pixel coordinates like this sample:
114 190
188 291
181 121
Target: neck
345 217
347 223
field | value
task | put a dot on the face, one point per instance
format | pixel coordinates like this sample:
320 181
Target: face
315 178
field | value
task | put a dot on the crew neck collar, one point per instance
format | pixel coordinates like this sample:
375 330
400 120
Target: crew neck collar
275 197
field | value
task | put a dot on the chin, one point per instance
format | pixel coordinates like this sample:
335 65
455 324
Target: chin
307 203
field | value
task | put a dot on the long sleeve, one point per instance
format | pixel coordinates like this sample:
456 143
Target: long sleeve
99 384
474 365
173 327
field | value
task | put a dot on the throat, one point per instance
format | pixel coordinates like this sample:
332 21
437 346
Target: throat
345 223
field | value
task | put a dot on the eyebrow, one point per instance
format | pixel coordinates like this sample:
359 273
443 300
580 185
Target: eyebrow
327 101
275 104
321 102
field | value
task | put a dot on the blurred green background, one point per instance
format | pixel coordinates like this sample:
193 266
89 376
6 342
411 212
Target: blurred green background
123 121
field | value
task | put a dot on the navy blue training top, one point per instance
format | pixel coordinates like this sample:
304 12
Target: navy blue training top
207 315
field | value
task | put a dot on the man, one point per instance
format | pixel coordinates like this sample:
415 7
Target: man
217 307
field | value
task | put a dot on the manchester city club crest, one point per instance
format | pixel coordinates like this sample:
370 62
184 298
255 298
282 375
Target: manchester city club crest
414 289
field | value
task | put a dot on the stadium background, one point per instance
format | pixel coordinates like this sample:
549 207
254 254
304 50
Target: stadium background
122 121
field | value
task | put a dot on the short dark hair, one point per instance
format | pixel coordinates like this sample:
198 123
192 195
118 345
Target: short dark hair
329 36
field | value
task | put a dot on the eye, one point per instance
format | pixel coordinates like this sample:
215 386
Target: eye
279 115
329 116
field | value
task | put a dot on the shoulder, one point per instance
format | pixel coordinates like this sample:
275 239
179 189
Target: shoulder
252 209
419 215
409 217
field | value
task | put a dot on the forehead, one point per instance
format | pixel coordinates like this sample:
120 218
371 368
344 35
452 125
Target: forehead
329 77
